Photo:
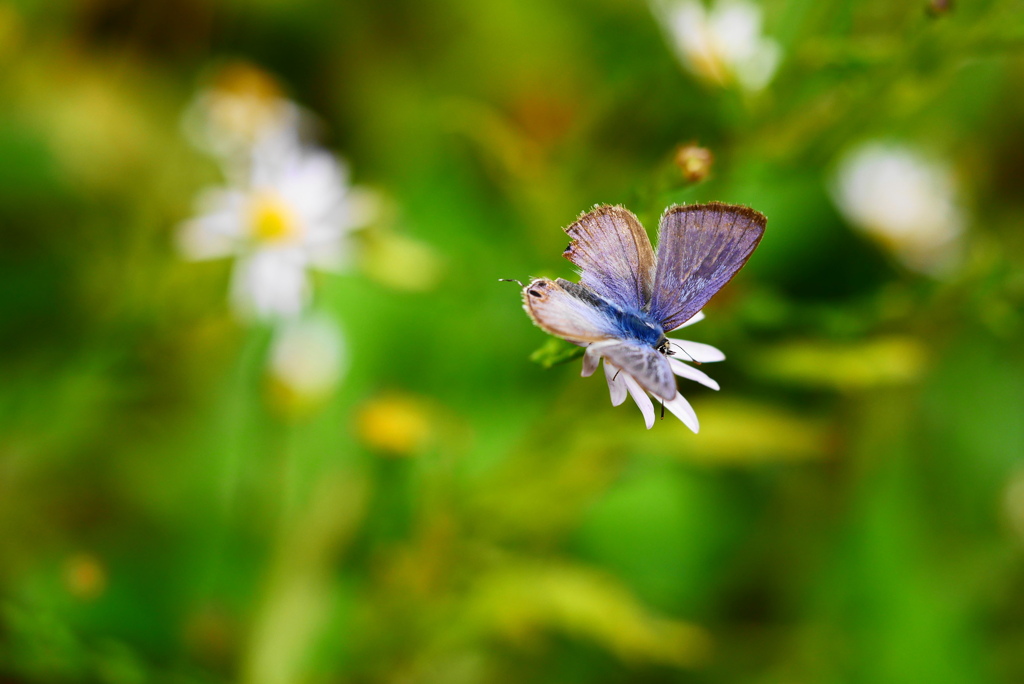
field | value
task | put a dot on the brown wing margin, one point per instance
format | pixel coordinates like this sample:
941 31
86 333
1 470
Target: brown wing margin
700 249
568 310
614 255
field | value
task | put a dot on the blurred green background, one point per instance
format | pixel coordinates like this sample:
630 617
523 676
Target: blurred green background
851 511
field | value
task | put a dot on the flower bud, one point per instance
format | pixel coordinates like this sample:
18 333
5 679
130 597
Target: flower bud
694 161
937 8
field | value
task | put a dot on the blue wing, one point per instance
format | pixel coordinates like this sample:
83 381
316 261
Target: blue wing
614 256
700 248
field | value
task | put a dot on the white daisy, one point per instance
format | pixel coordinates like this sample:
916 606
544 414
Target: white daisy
621 384
293 212
903 200
722 45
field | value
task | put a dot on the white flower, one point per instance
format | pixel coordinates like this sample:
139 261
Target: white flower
905 201
307 357
621 383
293 212
242 109
723 45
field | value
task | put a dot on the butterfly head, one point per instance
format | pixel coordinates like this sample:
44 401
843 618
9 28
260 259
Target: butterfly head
664 346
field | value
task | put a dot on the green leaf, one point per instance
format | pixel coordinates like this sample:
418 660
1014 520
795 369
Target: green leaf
555 352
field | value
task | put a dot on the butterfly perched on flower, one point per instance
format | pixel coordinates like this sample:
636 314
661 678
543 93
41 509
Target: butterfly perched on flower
629 296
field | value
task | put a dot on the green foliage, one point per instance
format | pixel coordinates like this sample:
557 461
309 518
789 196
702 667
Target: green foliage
555 352
459 509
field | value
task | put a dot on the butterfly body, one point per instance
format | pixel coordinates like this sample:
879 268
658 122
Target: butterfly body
634 324
639 326
628 297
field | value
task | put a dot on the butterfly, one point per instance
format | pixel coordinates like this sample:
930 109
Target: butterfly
629 296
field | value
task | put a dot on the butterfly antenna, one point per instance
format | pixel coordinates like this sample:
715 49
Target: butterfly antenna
511 280
663 409
676 344
616 374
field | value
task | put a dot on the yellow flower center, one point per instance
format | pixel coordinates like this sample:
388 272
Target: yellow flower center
272 220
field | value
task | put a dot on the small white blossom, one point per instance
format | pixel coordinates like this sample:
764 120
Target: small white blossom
293 212
905 201
243 109
722 45
307 357
621 384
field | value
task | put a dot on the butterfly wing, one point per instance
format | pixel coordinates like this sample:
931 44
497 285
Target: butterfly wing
614 255
648 366
700 248
570 311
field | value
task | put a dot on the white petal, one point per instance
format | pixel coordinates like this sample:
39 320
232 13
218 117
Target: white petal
756 71
697 351
736 27
642 400
362 206
328 256
616 383
688 26
200 239
321 230
683 411
696 318
272 158
590 362
356 209
308 355
270 284
691 373
218 229
282 136
315 184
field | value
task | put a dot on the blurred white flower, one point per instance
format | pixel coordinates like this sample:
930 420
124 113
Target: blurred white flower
722 45
621 383
242 109
307 359
292 213
905 201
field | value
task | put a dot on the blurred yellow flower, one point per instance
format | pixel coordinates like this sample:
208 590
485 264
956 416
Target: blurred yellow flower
402 262
395 424
884 361
89 112
769 434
